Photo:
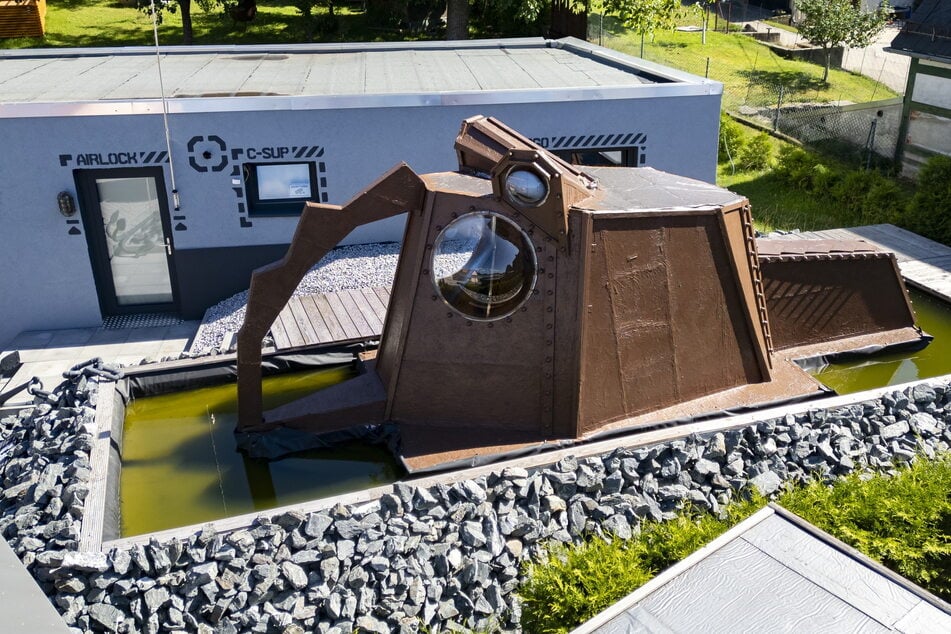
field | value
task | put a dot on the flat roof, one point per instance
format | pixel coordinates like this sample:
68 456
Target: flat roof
775 572
216 78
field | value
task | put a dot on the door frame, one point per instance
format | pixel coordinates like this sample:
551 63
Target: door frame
88 196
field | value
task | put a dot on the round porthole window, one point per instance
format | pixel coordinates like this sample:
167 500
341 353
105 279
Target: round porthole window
484 266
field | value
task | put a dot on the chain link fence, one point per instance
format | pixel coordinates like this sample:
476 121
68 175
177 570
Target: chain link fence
858 119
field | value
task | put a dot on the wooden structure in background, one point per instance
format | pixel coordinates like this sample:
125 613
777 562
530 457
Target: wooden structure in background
22 18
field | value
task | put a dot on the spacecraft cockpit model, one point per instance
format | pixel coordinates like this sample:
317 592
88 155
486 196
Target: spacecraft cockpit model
535 302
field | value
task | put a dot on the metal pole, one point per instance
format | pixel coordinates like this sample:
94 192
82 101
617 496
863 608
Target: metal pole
870 144
779 103
176 202
707 72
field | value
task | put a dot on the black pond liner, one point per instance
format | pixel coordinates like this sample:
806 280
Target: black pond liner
816 364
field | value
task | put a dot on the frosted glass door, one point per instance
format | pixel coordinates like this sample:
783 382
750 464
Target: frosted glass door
136 244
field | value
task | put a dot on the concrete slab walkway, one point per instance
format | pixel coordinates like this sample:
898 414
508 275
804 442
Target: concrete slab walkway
47 353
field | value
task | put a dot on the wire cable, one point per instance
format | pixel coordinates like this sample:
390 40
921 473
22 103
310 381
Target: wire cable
168 137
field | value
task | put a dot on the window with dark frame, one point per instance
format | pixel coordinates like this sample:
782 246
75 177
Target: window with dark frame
606 157
279 189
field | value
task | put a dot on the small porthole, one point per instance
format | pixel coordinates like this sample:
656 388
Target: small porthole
525 187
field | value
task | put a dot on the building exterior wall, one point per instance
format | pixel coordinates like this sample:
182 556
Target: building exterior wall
216 241
927 114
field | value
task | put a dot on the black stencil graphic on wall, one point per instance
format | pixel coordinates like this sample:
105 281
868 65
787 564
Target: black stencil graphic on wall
616 141
207 153
270 154
113 159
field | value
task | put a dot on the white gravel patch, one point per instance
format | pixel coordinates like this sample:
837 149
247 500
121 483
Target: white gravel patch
344 268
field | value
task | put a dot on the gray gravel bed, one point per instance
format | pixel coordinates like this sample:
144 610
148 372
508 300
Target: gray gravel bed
418 558
344 268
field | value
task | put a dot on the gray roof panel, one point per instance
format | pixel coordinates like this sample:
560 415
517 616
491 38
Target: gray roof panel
927 32
101 74
775 572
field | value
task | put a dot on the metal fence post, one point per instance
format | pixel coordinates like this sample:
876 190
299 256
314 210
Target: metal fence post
779 103
870 143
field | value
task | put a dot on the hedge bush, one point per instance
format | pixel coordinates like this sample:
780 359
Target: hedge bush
929 212
902 521
573 583
758 153
732 139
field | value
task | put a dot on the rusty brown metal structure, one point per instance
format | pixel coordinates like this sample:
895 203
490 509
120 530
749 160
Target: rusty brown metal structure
534 301
827 290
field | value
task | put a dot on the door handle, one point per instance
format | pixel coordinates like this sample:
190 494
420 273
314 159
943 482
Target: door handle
168 246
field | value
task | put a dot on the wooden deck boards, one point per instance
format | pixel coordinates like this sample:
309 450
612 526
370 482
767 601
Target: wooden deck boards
923 263
349 315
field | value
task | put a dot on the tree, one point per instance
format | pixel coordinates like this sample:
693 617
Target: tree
314 21
641 16
831 23
185 6
457 19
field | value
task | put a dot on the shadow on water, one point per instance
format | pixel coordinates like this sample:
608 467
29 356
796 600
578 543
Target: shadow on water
934 317
181 465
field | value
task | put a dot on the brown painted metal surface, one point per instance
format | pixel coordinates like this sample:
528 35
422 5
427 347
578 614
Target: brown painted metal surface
824 290
319 230
661 289
533 301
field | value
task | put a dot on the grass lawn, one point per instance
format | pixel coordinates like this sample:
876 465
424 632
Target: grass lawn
749 70
775 205
74 23
778 205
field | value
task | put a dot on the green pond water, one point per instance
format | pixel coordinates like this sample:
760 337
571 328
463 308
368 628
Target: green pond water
934 317
181 466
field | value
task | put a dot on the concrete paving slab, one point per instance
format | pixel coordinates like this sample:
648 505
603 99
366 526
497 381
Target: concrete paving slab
25 608
108 336
70 338
875 62
46 354
106 352
31 339
40 355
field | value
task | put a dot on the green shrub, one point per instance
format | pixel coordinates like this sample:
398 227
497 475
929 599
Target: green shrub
822 179
849 193
757 155
573 583
867 197
795 166
929 212
883 202
732 139
904 521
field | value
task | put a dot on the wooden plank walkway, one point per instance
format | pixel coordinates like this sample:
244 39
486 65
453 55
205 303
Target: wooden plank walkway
344 316
923 263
